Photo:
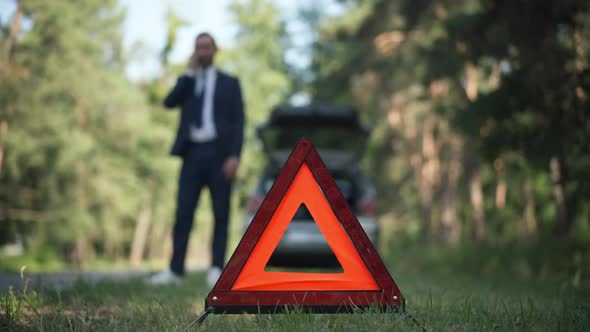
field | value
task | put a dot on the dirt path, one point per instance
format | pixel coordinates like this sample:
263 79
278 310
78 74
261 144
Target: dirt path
61 280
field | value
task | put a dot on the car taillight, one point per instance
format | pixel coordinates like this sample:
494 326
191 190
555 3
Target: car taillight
254 203
368 207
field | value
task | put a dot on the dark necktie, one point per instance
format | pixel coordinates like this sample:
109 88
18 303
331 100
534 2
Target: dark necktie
199 101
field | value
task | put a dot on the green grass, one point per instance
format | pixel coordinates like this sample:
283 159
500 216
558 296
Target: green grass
445 292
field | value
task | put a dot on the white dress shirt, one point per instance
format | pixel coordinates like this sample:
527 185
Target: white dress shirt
204 83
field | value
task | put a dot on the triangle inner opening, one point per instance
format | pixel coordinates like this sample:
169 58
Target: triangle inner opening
252 275
303 248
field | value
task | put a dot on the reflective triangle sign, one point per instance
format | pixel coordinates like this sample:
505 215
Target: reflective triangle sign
245 287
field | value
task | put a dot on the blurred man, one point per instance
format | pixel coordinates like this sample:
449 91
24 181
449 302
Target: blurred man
209 141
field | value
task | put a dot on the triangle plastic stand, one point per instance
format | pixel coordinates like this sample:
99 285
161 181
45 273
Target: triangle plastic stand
245 287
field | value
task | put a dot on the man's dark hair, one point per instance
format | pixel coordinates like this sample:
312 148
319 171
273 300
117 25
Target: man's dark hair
207 34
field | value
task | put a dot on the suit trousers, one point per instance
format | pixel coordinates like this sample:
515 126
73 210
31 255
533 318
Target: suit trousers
202 166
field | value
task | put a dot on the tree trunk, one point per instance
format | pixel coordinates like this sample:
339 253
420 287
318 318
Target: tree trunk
82 247
565 218
160 242
3 132
530 220
582 91
477 207
471 81
80 251
140 235
14 31
501 187
429 177
471 87
1 158
167 250
451 225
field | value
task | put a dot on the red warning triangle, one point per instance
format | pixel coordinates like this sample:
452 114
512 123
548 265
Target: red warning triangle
244 285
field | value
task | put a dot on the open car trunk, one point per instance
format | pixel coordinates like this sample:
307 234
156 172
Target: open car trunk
336 132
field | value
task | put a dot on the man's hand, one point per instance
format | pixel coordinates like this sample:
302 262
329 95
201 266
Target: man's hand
193 62
230 168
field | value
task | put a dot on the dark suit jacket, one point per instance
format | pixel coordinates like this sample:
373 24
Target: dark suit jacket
228 113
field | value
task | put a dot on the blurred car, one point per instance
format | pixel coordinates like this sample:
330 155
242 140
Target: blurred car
340 139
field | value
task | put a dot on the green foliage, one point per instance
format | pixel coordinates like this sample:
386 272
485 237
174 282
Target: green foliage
82 153
493 90
11 308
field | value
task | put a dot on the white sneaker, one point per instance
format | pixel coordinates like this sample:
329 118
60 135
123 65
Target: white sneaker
165 277
213 276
